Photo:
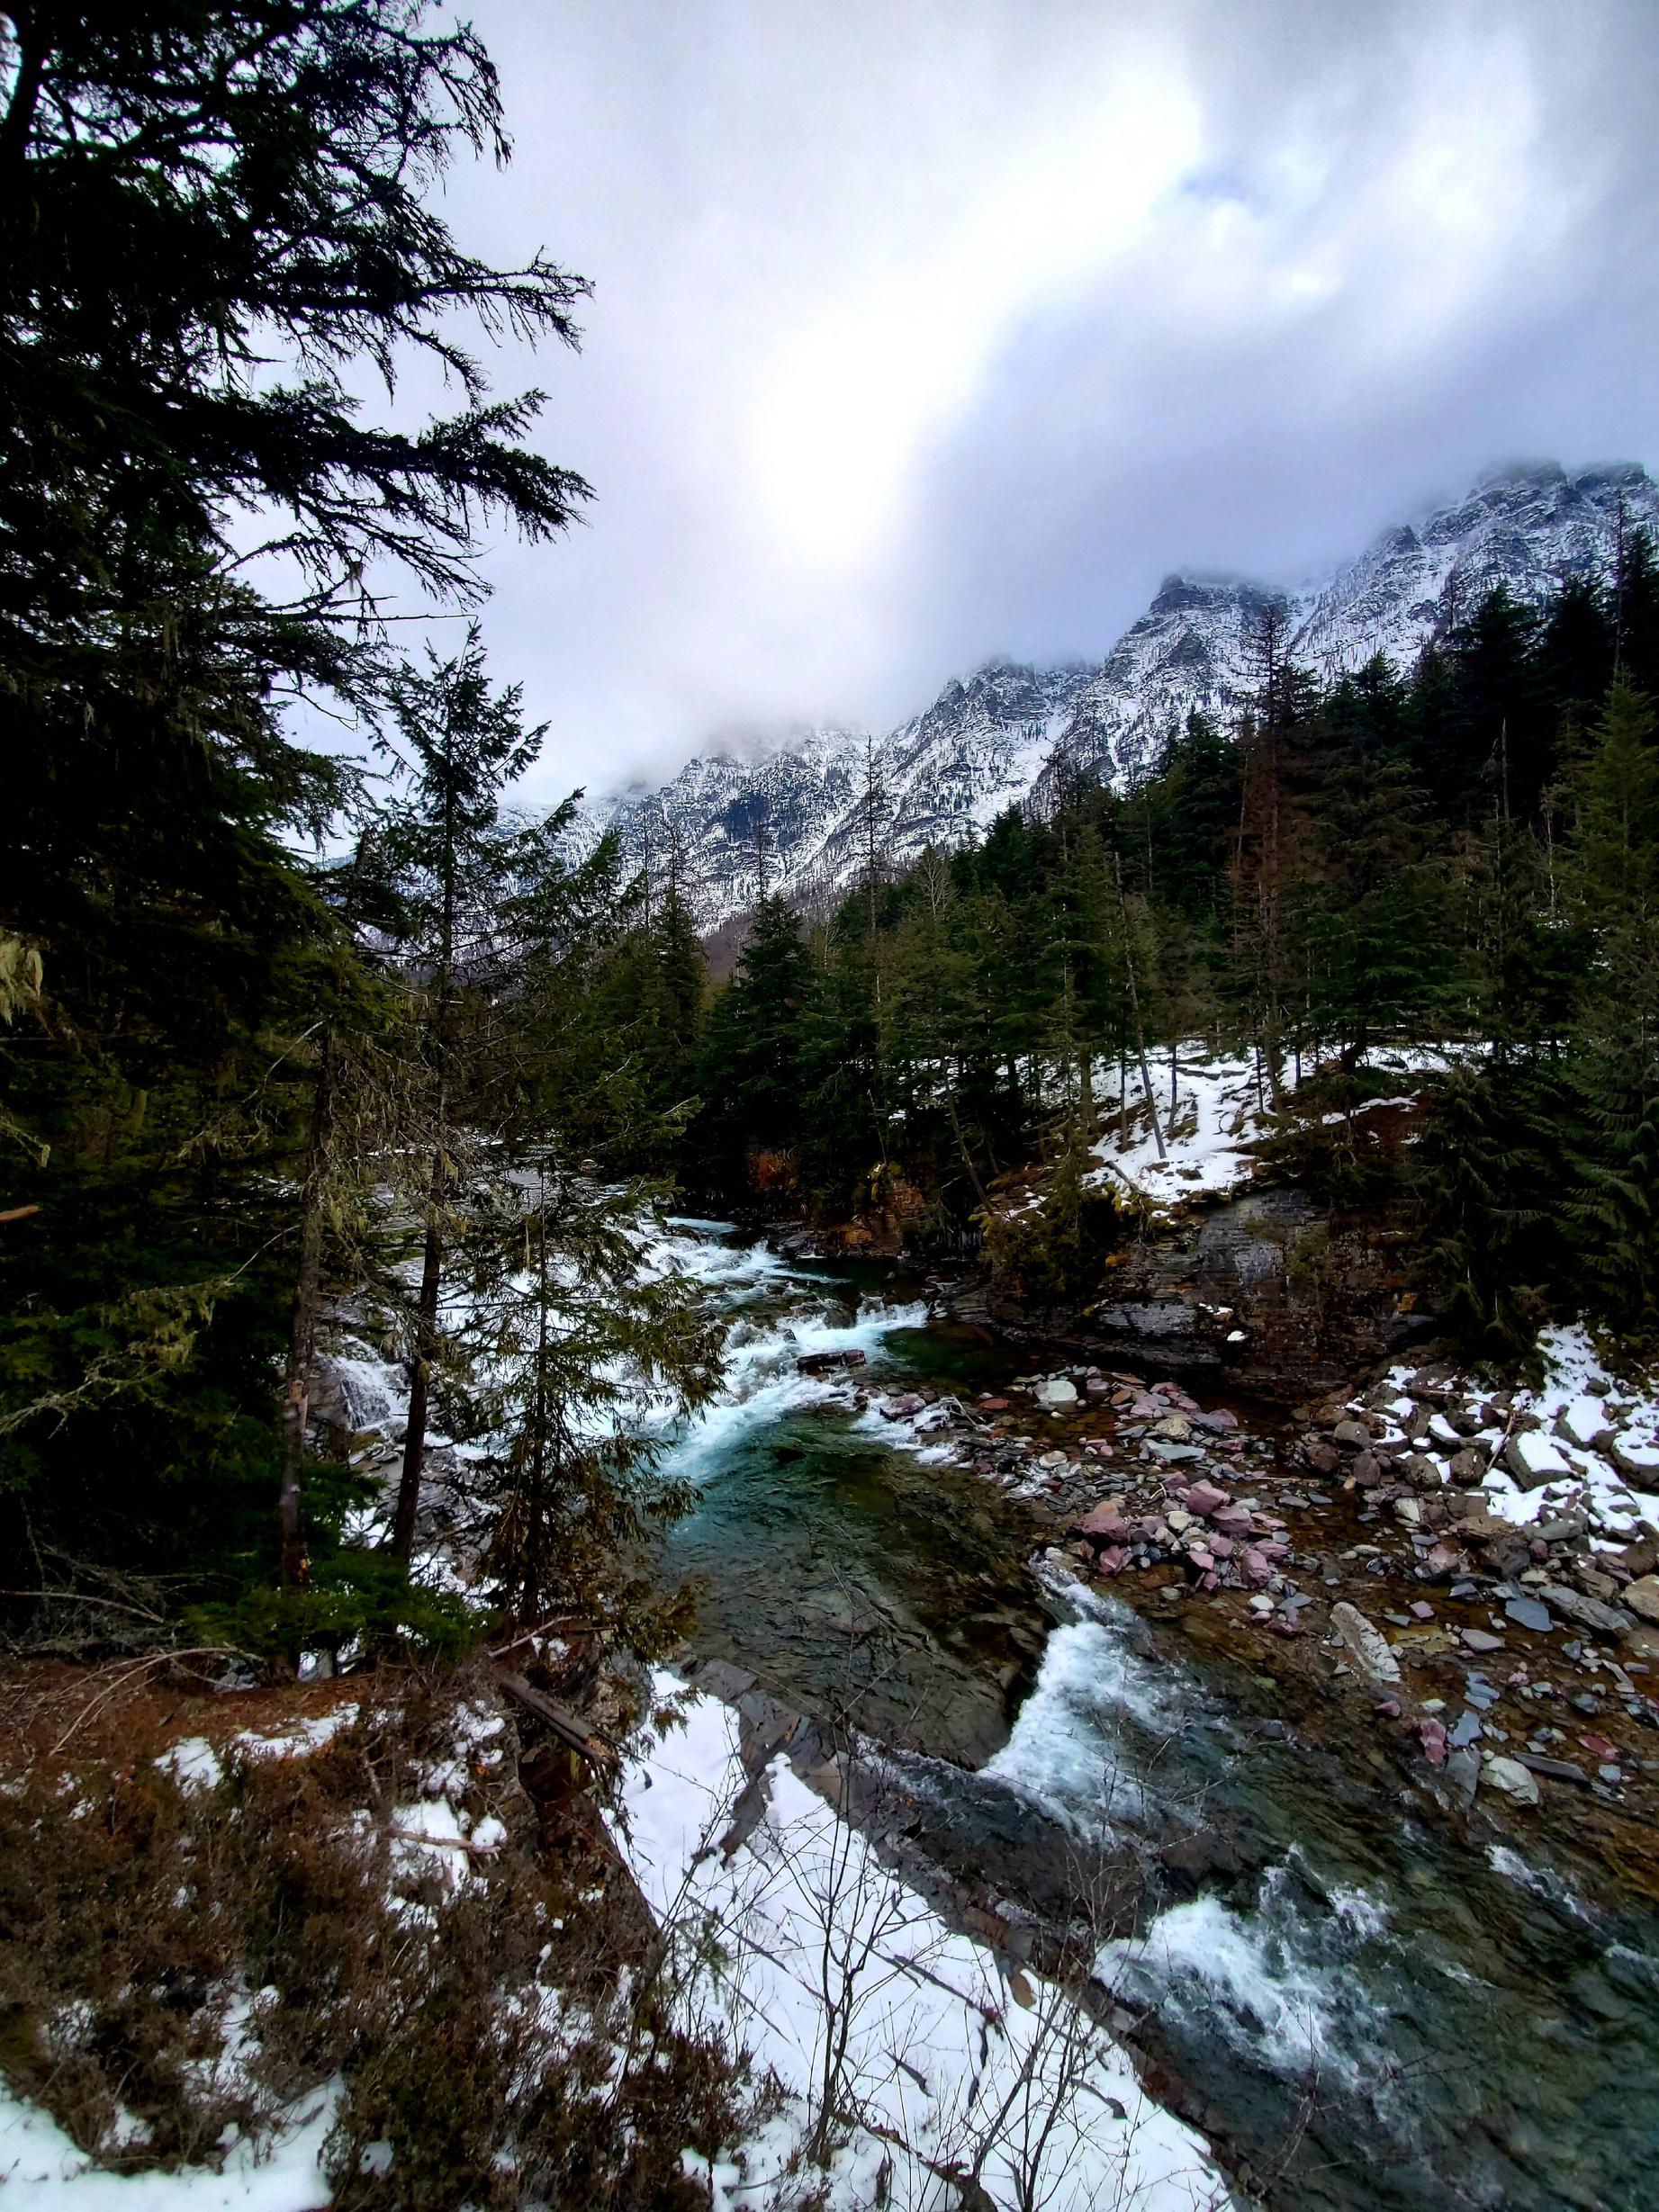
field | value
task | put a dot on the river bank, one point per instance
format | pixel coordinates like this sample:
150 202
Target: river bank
1319 1955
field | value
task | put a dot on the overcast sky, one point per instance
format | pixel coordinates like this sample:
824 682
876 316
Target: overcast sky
929 330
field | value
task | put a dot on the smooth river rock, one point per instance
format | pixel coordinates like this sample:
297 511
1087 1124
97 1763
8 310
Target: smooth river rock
1365 1642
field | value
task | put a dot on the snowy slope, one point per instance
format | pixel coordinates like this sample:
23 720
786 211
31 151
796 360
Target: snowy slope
1528 527
1009 732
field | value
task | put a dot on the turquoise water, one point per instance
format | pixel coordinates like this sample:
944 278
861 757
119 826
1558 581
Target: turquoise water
1377 2012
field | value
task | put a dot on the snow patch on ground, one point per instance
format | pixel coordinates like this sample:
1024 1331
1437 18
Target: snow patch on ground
942 2037
40 2167
1219 1109
1559 1466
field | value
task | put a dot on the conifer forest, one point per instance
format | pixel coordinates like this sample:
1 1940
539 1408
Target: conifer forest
989 1538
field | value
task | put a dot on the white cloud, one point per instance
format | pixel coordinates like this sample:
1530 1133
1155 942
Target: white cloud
929 330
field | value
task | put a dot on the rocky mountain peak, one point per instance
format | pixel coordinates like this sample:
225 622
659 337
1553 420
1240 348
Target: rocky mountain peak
1004 731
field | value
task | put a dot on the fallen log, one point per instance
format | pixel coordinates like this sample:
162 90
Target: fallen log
564 1725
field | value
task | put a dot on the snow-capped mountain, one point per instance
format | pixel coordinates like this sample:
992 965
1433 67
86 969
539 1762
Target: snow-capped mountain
808 812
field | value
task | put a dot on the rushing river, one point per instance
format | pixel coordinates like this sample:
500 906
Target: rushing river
1376 2014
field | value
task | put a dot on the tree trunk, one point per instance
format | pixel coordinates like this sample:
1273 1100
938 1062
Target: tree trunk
1134 1006
426 1350
302 1337
961 1142
432 1255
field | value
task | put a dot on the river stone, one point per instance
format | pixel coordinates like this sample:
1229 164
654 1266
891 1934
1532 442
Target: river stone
1351 1435
1055 1391
1105 1522
1512 1777
1206 1497
1558 1769
1584 1422
1527 1613
1175 1428
1588 1611
1365 1642
1643 1597
1480 1639
1462 1774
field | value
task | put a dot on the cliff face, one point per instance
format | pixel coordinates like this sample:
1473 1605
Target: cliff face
810 809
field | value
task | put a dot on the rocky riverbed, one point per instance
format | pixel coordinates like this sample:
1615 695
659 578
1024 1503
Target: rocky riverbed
1461 1581
1366 1989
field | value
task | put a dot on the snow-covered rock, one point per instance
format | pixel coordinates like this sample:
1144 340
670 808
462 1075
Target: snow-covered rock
1533 1459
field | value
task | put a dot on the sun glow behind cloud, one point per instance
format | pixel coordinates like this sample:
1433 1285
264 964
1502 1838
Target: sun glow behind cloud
924 331
852 398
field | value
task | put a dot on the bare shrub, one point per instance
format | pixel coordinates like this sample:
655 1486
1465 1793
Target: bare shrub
178 1958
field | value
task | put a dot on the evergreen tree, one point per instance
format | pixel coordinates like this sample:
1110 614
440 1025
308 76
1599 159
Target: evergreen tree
1635 614
754 1108
1375 929
187 190
446 852
1575 652
574 1328
1482 1174
1498 735
1611 880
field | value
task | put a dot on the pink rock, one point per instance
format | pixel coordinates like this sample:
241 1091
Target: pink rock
1207 1497
1202 1557
993 1405
1286 1624
1211 1582
1149 1526
1106 1524
1113 1561
1254 1567
1431 1735
1388 1709
1422 1609
1237 1520
1223 1547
